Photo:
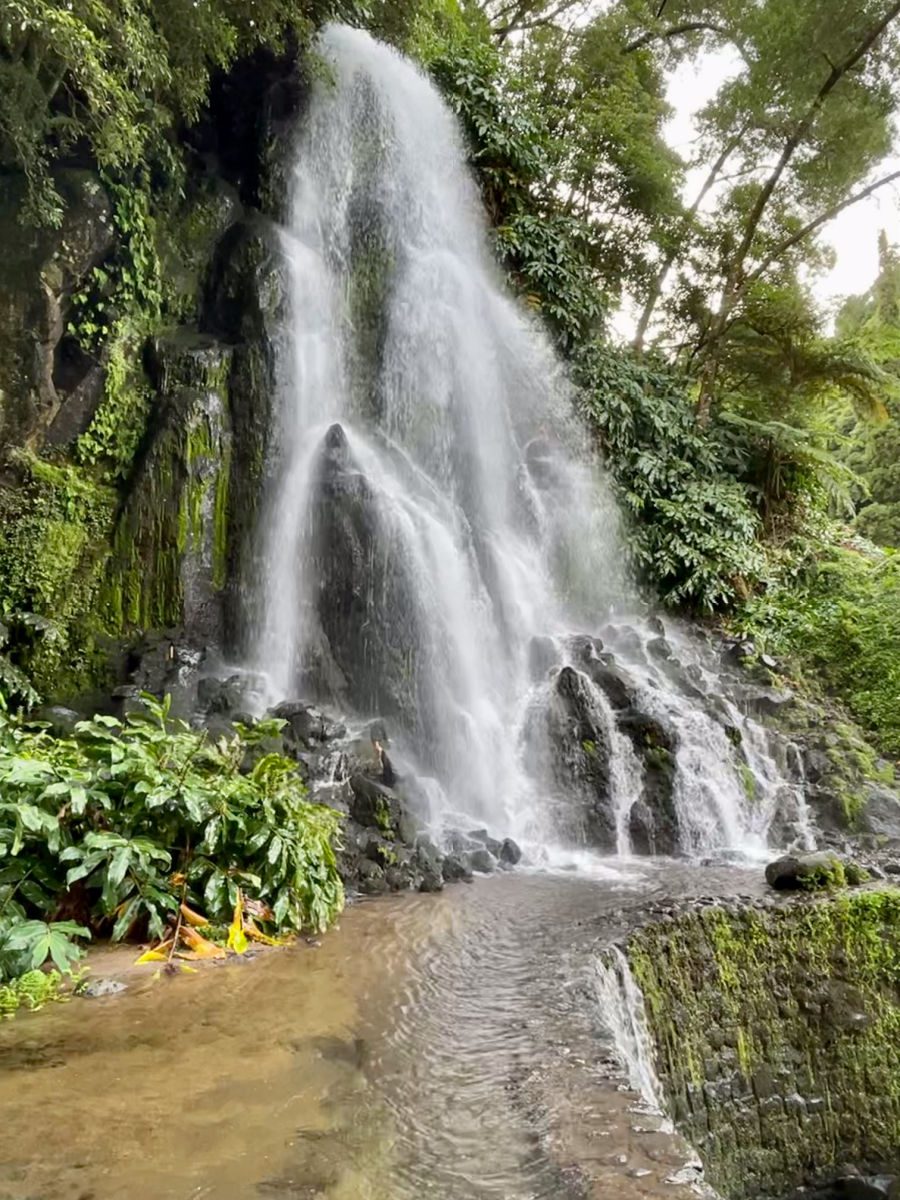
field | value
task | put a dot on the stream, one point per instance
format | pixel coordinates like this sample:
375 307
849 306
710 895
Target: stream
454 1046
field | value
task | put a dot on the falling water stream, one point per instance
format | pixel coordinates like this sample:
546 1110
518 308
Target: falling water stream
434 516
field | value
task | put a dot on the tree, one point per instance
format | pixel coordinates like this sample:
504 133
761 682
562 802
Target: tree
798 129
873 452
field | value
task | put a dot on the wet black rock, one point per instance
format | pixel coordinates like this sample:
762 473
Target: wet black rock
510 853
371 878
482 861
307 725
62 721
374 804
576 731
765 702
455 869
791 872
492 844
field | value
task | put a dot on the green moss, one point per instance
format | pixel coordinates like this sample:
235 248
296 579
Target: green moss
800 1001
55 522
177 510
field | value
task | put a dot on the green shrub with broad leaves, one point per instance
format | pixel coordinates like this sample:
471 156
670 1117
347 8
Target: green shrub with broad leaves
694 528
111 829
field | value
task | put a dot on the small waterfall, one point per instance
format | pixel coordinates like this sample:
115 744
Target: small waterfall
435 525
622 1013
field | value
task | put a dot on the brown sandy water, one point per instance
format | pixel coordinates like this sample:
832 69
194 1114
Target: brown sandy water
447 1047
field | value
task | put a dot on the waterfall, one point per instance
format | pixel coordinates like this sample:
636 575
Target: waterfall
621 1007
436 527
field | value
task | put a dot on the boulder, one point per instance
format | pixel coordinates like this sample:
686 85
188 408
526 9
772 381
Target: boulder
492 844
482 861
822 868
306 725
880 812
510 853
372 881
577 732
62 721
373 804
454 868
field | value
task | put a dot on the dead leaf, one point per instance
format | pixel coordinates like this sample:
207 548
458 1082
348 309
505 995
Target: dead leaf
193 918
202 946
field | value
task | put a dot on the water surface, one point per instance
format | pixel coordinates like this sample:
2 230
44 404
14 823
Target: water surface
447 1047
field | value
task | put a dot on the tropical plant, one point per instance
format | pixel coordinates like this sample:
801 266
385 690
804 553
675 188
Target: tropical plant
125 821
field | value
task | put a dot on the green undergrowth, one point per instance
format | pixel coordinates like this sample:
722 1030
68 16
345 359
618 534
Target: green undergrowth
831 609
111 830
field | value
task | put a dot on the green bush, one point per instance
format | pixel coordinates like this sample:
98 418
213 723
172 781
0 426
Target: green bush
694 528
832 606
123 821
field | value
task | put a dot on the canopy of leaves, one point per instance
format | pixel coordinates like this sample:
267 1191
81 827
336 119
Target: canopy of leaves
114 76
873 451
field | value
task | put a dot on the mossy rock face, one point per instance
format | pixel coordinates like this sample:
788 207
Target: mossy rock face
41 269
245 305
168 562
776 1032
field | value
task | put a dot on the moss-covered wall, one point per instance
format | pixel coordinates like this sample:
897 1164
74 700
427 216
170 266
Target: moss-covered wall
778 1035
137 372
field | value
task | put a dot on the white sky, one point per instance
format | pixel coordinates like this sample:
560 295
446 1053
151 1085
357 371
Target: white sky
853 234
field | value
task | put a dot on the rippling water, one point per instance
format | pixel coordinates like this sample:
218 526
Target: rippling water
448 1047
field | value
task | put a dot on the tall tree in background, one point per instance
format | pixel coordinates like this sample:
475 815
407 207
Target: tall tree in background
790 140
873 321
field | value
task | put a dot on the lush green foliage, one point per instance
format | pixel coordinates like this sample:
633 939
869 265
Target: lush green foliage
117 74
123 821
834 608
694 527
873 450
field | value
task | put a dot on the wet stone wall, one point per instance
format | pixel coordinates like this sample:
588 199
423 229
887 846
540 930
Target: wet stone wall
777 1035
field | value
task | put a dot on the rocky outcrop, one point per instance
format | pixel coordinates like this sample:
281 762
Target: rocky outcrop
775 1035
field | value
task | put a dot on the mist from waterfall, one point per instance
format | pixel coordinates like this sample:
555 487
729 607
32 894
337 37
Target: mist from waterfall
435 513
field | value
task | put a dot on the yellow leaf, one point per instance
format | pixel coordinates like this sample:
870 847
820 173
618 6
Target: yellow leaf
193 918
187 970
156 954
237 940
252 930
202 947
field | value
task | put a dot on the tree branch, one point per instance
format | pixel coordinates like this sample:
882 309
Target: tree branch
653 35
658 284
801 129
734 284
822 219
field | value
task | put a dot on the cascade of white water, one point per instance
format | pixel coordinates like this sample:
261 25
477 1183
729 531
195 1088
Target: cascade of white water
621 1007
433 510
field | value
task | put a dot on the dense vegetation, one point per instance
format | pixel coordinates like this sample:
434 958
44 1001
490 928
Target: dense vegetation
744 436
146 828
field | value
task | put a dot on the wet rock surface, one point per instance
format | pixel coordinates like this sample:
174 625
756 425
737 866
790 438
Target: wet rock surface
772 1019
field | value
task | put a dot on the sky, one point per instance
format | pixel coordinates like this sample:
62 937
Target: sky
853 234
